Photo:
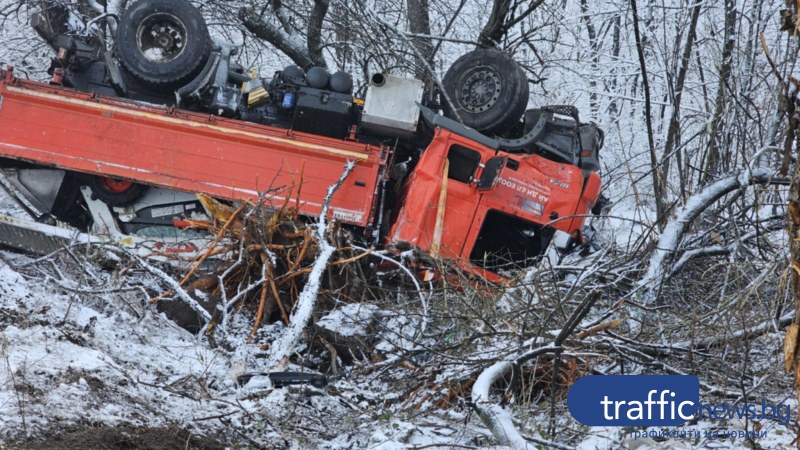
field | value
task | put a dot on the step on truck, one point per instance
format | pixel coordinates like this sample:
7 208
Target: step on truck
128 134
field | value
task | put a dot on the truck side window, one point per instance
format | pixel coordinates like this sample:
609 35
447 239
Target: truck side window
463 163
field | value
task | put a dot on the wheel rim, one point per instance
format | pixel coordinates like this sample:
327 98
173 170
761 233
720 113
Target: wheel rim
114 186
479 89
161 37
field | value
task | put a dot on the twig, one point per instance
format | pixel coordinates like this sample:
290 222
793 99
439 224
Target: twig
277 295
260 312
284 344
213 244
176 288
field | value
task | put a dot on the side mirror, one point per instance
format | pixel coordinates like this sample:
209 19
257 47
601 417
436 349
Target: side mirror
491 173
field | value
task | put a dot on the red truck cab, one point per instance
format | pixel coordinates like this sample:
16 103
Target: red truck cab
499 210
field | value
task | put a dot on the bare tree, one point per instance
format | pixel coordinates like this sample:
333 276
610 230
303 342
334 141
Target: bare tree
281 27
658 182
419 23
674 129
713 155
504 16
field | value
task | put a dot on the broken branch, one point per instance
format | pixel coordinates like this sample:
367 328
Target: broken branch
284 344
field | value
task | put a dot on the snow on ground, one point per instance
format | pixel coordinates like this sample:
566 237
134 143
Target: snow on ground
67 360
112 359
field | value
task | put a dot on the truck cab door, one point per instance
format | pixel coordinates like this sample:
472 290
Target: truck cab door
444 179
462 198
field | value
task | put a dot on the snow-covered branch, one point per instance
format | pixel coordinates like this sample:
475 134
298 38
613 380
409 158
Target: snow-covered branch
673 233
721 249
499 419
283 346
172 283
287 41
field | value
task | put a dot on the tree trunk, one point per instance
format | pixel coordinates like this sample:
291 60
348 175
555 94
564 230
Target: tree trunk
285 38
493 31
713 155
345 53
673 132
502 19
793 213
314 37
593 44
419 22
658 186
613 109
793 228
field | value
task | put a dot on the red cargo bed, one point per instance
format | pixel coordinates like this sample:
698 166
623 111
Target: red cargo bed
185 151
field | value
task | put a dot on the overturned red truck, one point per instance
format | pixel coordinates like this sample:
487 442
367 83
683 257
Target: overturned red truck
167 113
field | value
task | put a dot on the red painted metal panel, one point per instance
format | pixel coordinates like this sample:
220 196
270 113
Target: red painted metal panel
538 190
185 151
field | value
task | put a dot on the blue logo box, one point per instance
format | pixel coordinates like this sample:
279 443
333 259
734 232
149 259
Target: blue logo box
634 400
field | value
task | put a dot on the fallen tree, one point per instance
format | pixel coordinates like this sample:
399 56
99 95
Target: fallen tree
660 264
284 345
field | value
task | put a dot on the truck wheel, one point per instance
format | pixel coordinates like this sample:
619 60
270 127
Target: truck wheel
163 43
114 192
489 91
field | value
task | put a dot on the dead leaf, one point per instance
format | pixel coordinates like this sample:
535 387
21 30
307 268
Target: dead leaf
599 328
790 346
797 379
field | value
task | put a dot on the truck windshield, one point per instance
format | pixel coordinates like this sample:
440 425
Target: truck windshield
506 242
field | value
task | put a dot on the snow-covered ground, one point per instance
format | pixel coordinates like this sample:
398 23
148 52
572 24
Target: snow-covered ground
90 356
115 361
81 345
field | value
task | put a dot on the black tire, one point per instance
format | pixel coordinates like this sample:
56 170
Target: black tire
163 43
115 192
69 206
489 91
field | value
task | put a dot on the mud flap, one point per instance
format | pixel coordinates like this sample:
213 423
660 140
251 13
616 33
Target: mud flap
117 82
